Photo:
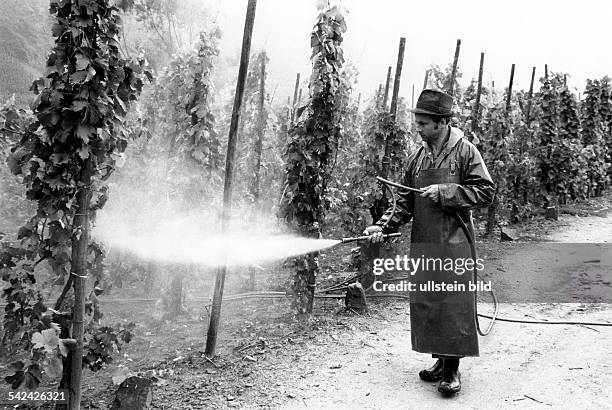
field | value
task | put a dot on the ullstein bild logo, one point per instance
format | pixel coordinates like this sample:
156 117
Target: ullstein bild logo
431 286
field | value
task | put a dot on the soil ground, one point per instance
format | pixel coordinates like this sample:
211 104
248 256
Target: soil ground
337 359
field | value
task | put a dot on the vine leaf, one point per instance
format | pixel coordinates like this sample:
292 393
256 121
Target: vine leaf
81 62
84 152
15 380
53 366
47 339
83 132
62 348
78 105
29 378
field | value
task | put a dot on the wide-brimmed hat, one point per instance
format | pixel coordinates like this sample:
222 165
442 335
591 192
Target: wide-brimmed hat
434 102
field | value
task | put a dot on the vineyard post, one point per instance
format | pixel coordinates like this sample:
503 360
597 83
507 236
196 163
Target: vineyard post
379 95
398 75
299 100
412 100
79 254
493 208
387 85
386 163
478 94
509 96
211 339
454 71
261 128
530 96
546 71
295 96
426 79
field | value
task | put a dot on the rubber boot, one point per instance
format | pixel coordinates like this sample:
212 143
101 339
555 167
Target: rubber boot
451 378
434 373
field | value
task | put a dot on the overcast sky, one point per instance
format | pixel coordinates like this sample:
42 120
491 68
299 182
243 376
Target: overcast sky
569 36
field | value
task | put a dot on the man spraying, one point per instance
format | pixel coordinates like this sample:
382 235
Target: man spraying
451 172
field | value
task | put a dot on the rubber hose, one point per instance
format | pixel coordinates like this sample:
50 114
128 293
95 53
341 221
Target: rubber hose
470 239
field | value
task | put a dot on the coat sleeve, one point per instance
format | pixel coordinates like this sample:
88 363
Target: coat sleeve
404 209
477 189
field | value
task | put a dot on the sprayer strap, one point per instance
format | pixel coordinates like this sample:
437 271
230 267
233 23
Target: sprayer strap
79 276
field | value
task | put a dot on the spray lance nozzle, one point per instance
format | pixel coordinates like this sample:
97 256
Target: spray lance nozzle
367 237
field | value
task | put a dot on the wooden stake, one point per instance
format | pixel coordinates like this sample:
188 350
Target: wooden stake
379 95
295 96
476 111
386 162
493 209
387 85
211 338
546 71
299 100
426 79
412 103
527 113
398 76
509 96
261 129
451 86
80 247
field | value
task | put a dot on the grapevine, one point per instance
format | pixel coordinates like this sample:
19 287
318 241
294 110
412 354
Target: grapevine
66 152
311 145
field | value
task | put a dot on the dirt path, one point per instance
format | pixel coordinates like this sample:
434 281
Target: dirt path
521 365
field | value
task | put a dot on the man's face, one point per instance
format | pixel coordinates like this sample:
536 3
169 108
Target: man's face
427 128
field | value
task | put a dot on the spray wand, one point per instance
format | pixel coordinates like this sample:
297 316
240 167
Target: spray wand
367 237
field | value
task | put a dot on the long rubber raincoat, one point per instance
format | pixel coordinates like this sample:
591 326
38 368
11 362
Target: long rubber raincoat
442 322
